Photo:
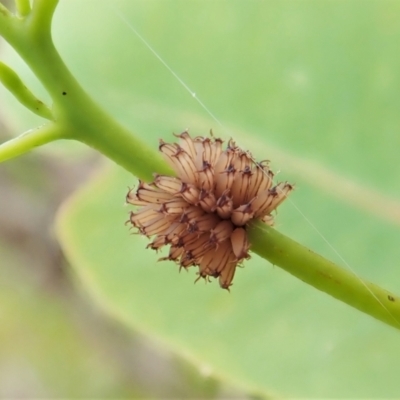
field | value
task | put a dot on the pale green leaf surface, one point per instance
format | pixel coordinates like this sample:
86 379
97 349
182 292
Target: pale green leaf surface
271 332
313 86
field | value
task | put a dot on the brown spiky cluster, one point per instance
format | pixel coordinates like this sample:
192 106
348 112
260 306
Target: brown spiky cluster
202 213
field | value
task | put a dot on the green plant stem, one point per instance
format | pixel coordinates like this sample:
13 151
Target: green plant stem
324 275
14 84
23 7
75 112
30 140
41 16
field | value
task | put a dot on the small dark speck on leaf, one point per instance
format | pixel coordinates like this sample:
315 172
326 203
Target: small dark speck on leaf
391 298
64 93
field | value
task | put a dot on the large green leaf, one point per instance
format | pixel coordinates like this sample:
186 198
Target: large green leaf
271 332
311 85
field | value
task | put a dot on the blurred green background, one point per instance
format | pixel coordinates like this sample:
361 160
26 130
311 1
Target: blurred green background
313 86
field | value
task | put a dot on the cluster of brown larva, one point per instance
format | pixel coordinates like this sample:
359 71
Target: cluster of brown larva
202 213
